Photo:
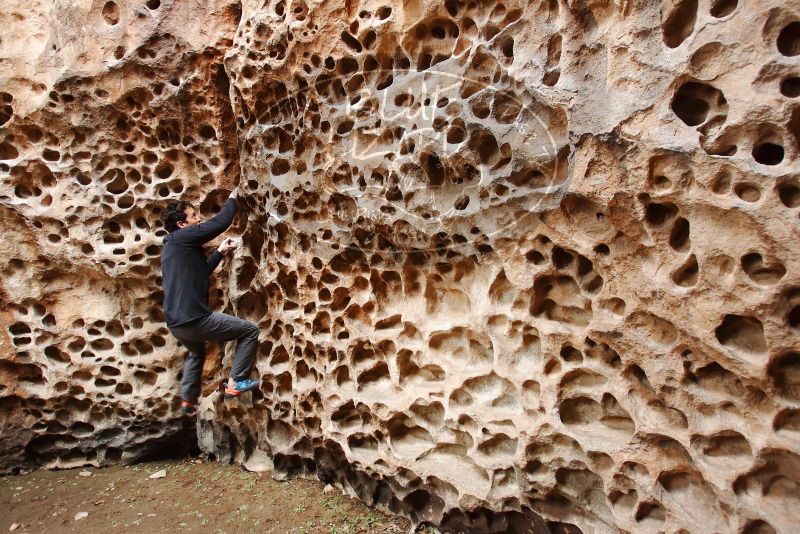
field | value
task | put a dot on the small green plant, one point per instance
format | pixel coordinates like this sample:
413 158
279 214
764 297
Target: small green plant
329 503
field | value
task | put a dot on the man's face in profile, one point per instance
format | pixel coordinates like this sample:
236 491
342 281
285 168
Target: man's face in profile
192 218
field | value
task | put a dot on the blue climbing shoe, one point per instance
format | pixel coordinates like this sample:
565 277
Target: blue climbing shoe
240 387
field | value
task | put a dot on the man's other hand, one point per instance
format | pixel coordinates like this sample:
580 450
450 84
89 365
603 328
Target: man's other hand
234 193
228 244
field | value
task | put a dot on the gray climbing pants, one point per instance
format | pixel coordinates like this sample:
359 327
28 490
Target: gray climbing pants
214 327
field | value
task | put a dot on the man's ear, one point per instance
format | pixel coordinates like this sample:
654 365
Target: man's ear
180 224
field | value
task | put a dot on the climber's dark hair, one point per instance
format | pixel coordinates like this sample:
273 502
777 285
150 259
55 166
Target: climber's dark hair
174 212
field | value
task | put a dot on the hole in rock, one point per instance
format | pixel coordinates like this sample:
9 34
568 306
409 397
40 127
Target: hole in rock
351 41
693 101
747 192
679 24
172 445
6 111
785 373
794 125
658 214
757 526
111 13
552 72
723 8
571 354
768 153
280 166
508 47
208 132
793 317
790 87
742 333
506 107
686 275
117 185
602 249
485 144
535 257
679 237
527 177
789 40
787 420
455 134
725 444
125 202
721 183
461 203
54 353
662 183
561 258
761 272
8 151
344 127
480 109
19 329
164 171
615 305
650 513
580 411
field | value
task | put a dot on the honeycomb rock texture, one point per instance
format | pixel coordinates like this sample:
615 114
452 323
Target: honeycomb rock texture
518 267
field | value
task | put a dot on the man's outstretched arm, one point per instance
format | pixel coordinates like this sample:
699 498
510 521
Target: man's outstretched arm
208 230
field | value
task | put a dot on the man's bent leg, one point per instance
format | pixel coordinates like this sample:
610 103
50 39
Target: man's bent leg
193 370
224 327
245 353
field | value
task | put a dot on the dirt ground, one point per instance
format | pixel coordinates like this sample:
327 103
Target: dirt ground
195 496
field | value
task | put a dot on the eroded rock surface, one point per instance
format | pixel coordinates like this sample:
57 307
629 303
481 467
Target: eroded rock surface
516 266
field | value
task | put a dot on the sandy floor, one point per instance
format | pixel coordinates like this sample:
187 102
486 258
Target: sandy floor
193 497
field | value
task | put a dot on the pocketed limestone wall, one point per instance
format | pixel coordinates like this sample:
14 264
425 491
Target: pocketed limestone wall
517 267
